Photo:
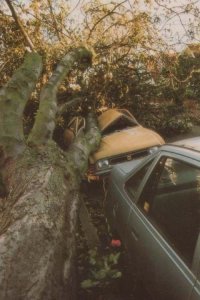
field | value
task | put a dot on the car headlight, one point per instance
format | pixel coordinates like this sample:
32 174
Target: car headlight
153 149
102 164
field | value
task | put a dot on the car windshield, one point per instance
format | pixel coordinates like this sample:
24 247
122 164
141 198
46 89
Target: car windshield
119 124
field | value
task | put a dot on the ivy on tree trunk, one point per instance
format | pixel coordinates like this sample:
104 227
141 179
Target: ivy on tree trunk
38 205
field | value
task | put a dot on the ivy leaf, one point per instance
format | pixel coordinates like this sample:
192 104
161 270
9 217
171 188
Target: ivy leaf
116 274
88 283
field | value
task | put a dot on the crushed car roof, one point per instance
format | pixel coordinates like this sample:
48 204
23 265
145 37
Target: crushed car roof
112 115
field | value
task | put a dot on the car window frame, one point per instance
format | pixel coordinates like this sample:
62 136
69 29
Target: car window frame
194 270
154 157
196 259
128 186
157 225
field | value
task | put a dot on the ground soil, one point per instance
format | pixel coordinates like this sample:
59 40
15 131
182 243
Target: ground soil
123 288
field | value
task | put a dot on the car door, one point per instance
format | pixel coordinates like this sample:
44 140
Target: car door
117 211
196 264
163 228
118 207
196 291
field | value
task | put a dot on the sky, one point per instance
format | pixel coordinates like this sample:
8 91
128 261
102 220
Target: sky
177 20
176 24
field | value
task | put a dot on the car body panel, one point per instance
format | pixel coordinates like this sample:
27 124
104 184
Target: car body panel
192 143
152 253
196 291
113 115
125 141
164 272
120 210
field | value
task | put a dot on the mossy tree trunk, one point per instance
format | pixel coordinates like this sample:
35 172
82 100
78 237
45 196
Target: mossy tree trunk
39 188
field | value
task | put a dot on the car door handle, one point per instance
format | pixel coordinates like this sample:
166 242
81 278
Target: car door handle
134 235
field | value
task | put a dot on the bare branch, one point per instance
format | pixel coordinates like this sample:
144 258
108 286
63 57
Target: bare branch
105 16
177 14
2 66
21 27
74 8
45 120
71 103
54 20
193 71
84 145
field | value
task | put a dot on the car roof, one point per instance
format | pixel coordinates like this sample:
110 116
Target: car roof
191 143
189 147
111 115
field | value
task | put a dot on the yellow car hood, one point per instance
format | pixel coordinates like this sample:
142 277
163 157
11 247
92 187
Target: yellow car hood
127 140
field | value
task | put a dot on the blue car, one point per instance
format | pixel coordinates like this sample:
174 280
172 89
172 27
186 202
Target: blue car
154 205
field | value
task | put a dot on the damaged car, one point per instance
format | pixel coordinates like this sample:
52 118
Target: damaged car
123 139
153 206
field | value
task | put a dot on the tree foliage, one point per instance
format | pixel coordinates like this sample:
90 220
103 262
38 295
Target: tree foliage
133 65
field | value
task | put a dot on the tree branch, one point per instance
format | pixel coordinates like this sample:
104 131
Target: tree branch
58 32
193 71
45 120
84 145
105 16
21 27
13 98
71 103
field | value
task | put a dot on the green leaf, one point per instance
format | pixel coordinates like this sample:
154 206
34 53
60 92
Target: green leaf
101 274
92 261
92 252
117 275
113 258
88 283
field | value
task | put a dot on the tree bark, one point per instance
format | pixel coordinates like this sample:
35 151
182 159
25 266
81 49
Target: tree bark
39 212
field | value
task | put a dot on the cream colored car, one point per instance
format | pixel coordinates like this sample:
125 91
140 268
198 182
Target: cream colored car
123 139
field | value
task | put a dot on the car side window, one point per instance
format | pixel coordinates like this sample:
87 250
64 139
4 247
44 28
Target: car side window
134 182
171 200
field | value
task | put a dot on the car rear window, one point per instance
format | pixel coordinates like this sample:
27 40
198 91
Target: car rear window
119 124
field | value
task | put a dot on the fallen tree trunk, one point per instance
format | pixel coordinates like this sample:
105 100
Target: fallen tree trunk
38 208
